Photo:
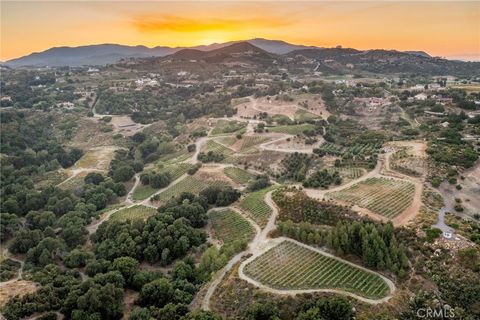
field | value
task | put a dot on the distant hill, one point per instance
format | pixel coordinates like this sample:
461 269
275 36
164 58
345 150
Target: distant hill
103 54
88 55
347 60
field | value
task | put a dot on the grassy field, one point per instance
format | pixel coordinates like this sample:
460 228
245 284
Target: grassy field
387 197
191 184
256 206
229 226
303 115
289 266
238 175
135 212
294 129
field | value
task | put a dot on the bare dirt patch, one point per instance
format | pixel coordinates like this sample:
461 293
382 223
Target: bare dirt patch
276 105
16 288
96 158
124 125
89 135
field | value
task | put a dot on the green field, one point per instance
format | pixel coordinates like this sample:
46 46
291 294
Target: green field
238 175
229 226
303 115
387 197
294 129
131 213
289 266
256 206
191 184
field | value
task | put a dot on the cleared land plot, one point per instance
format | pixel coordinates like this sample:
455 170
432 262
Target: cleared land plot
191 184
387 197
132 213
18 287
98 158
175 171
238 175
413 166
289 266
229 226
294 129
256 207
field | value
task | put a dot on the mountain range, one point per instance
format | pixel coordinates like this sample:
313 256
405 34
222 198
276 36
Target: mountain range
103 54
255 52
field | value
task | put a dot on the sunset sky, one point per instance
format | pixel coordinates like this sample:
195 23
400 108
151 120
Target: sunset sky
450 29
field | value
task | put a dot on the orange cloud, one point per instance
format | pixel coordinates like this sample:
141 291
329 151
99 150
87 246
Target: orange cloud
156 23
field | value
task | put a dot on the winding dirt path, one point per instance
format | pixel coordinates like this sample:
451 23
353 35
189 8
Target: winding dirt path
262 243
6 255
218 277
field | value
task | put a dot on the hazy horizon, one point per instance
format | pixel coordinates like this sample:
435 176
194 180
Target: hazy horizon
446 29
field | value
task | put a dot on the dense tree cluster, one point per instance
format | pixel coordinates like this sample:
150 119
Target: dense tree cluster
322 179
156 180
210 156
258 183
161 102
295 166
375 244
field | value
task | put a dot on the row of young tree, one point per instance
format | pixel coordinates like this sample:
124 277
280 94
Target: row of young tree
375 244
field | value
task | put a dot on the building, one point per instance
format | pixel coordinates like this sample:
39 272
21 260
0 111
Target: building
420 97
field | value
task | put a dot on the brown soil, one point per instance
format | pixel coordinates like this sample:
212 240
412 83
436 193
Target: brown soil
18 287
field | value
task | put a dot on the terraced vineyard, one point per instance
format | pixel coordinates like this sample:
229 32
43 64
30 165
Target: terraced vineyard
216 147
229 226
135 212
289 266
387 197
224 127
176 157
348 172
238 175
294 129
191 184
251 141
228 141
256 206
334 149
